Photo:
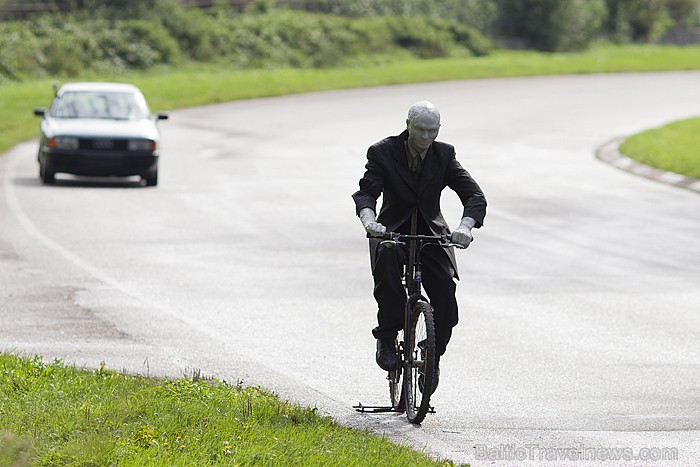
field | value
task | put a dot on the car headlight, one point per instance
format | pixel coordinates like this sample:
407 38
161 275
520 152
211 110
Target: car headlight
63 142
142 145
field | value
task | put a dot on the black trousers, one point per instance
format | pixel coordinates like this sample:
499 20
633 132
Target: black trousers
438 283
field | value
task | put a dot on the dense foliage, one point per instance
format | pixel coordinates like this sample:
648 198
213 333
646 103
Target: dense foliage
480 14
548 25
112 39
67 37
637 20
552 25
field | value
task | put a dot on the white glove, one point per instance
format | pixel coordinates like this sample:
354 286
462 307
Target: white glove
369 222
463 234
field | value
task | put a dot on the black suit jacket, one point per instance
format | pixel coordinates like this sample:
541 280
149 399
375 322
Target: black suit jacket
387 174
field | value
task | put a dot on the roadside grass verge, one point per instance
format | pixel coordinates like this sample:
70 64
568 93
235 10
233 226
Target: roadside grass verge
199 84
56 414
196 84
674 147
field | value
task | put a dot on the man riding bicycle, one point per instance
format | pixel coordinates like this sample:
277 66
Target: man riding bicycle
410 170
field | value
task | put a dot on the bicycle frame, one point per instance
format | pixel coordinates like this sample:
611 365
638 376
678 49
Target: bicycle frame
411 358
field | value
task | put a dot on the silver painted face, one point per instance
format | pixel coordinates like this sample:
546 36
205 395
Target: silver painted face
423 130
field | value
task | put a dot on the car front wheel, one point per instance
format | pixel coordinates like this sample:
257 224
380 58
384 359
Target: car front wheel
151 178
46 174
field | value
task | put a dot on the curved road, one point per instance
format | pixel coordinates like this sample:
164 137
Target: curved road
580 304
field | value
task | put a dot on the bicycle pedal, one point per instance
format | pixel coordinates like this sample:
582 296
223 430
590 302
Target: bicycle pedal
373 408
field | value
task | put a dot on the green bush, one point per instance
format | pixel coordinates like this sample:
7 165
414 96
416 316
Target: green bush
297 39
552 25
156 36
471 39
420 36
118 49
685 13
64 45
63 56
574 24
479 14
192 29
21 54
637 20
282 38
68 44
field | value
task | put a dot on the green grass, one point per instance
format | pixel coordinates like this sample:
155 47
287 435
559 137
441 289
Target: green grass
54 414
199 84
674 147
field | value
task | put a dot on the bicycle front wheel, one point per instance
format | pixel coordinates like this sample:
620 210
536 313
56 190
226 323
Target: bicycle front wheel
420 361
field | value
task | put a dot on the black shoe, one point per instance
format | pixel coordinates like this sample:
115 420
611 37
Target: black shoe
387 358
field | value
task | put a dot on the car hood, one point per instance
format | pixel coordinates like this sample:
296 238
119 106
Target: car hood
101 128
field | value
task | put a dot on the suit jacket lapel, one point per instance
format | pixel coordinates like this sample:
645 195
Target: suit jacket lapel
401 159
429 169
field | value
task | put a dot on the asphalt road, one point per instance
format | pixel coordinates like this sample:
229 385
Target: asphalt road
580 303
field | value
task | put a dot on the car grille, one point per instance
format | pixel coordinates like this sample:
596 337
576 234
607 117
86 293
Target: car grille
103 144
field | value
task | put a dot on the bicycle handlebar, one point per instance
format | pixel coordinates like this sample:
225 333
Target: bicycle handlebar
399 238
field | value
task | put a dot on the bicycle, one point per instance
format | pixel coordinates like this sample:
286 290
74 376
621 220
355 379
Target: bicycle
411 384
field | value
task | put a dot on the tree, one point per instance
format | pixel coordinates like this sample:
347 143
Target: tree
552 25
638 20
684 13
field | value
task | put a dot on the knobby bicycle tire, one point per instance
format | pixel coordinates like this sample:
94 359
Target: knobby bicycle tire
419 361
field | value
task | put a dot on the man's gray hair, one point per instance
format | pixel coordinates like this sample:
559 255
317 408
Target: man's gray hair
420 108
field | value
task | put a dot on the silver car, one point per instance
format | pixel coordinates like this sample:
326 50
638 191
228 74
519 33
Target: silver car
99 129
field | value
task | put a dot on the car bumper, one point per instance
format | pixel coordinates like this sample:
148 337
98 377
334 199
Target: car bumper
92 163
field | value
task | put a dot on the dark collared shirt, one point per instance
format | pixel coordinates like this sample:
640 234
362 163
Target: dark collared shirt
415 161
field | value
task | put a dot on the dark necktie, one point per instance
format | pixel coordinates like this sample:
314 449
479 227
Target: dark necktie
415 163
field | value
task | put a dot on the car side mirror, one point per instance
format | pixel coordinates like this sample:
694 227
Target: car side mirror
162 116
40 112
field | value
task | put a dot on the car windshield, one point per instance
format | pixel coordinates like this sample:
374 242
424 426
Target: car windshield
93 104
